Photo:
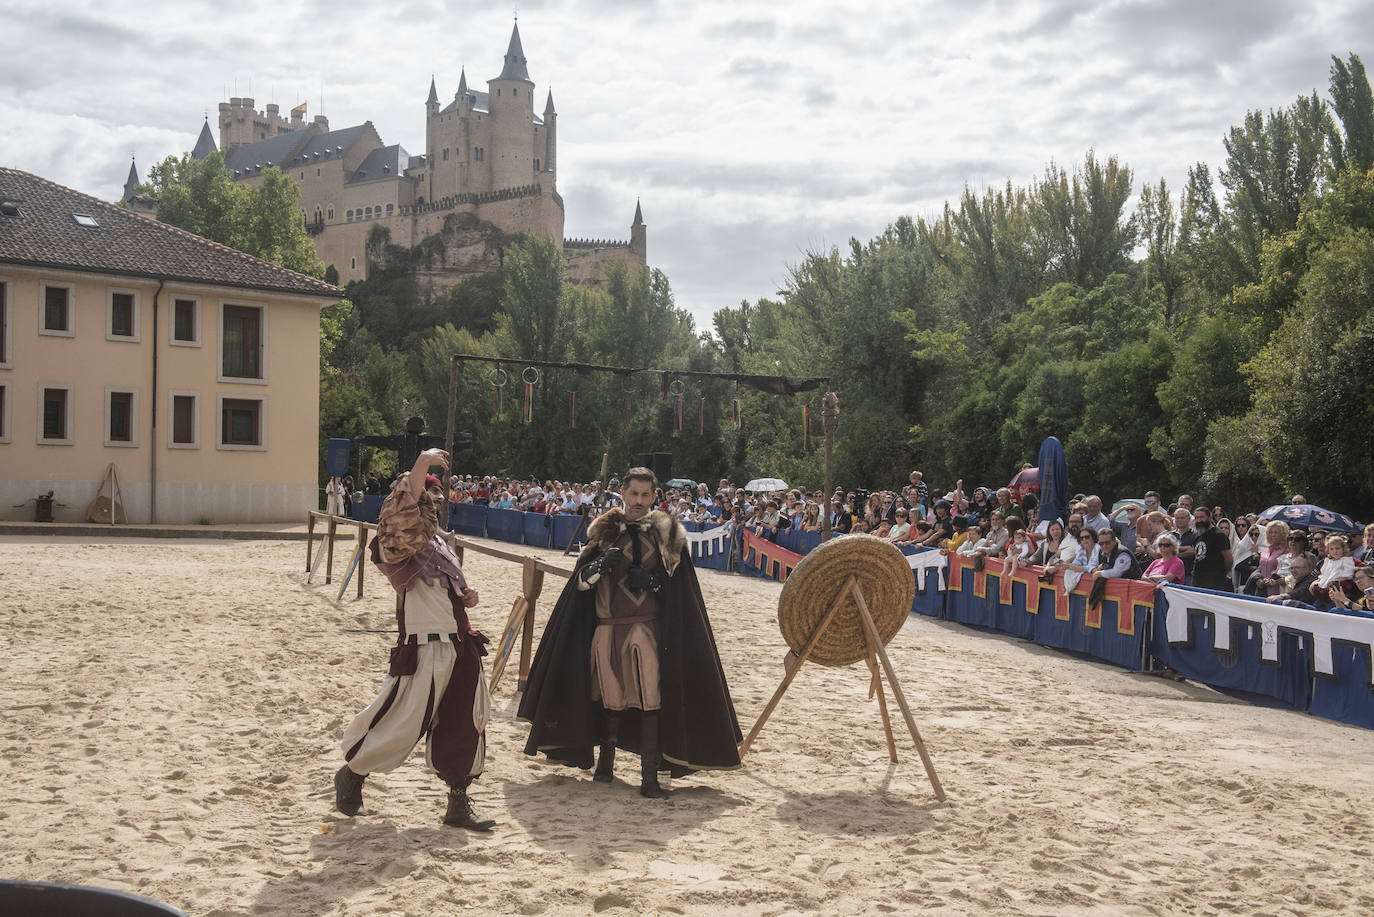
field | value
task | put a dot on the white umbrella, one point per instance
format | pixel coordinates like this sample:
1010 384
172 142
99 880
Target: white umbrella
760 485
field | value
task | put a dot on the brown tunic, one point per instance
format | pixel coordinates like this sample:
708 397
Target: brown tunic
624 652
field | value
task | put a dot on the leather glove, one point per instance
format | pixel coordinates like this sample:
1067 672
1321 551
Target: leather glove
603 563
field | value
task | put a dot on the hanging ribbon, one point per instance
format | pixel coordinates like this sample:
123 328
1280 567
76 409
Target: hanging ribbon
525 376
676 388
806 425
679 412
573 411
734 411
498 393
701 429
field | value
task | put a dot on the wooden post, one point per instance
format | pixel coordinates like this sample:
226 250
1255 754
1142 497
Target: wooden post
448 432
329 556
362 553
792 673
876 643
532 581
309 537
882 701
830 410
577 531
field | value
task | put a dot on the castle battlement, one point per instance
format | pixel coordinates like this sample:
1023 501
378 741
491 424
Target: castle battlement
594 243
483 197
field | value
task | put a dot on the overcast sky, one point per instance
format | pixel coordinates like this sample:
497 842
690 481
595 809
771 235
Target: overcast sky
752 132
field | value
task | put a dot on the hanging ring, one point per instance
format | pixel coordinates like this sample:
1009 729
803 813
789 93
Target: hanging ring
677 387
499 377
525 375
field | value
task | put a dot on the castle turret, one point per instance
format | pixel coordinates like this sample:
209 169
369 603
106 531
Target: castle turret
205 143
639 240
510 100
431 137
551 140
131 183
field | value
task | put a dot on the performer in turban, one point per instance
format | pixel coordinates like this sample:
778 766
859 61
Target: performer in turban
435 688
628 659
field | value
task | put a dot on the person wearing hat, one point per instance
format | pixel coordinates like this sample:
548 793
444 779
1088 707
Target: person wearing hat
435 688
943 526
627 659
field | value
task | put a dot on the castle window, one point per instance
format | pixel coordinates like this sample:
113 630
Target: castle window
369 213
445 154
478 153
536 165
498 92
349 216
388 209
317 172
515 91
302 176
353 263
331 211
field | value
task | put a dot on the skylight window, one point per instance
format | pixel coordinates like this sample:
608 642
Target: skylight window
85 219
9 208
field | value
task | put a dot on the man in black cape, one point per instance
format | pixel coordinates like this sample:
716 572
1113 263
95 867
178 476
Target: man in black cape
628 659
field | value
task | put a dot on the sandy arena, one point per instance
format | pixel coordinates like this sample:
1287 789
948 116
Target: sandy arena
170 711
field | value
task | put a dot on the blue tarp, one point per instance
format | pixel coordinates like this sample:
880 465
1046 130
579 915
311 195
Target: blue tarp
506 525
564 524
1103 642
1346 697
468 519
537 529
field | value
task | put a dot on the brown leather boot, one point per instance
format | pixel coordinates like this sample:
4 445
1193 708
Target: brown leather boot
649 758
348 791
460 814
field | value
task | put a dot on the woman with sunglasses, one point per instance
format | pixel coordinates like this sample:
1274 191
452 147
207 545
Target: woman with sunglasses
1168 568
1267 580
1086 558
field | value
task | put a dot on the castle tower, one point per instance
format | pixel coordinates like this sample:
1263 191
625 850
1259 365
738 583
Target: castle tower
431 126
131 183
639 239
550 141
510 100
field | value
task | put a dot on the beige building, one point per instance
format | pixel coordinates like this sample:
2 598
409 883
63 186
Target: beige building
192 367
489 171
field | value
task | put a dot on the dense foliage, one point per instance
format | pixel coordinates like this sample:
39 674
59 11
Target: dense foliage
1218 340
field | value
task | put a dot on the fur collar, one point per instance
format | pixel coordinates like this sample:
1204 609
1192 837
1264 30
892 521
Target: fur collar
668 534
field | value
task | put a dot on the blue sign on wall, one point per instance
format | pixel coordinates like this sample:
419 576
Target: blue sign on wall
336 459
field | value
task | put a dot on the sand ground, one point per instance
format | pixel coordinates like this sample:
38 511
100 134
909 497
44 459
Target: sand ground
169 713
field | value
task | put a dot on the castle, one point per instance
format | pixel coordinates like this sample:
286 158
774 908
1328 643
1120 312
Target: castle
488 173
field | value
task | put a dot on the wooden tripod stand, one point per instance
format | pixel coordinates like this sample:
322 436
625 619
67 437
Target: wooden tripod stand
875 654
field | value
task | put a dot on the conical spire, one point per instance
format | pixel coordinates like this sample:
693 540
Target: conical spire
433 93
463 81
205 143
131 183
548 106
639 216
514 68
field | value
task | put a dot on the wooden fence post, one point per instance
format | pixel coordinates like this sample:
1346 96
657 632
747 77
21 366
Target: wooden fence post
532 582
309 537
362 559
329 556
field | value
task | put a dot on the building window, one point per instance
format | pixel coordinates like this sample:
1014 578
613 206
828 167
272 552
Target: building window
186 321
55 409
121 417
302 176
331 212
369 213
389 208
241 423
317 173
445 154
242 342
5 325
121 314
536 165
353 264
185 431
478 153
56 302
4 413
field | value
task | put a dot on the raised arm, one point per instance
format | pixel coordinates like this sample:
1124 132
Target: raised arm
425 460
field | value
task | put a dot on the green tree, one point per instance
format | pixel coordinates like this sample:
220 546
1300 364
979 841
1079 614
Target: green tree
1353 146
199 195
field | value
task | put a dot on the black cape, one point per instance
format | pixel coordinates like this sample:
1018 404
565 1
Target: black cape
697 725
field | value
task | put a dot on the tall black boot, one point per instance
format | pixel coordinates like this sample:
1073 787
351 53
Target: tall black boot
460 814
605 761
649 757
348 791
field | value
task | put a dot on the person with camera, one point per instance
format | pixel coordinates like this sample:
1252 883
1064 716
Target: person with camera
628 659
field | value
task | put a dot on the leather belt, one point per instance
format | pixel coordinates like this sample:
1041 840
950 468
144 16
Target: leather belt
413 639
633 619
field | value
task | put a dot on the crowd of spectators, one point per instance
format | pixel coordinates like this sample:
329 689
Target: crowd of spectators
1141 538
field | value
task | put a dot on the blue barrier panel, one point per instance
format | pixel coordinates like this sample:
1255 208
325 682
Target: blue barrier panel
975 602
369 509
1238 670
537 530
719 559
564 524
1013 618
789 539
1346 697
506 525
807 542
469 519
929 600
1113 632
